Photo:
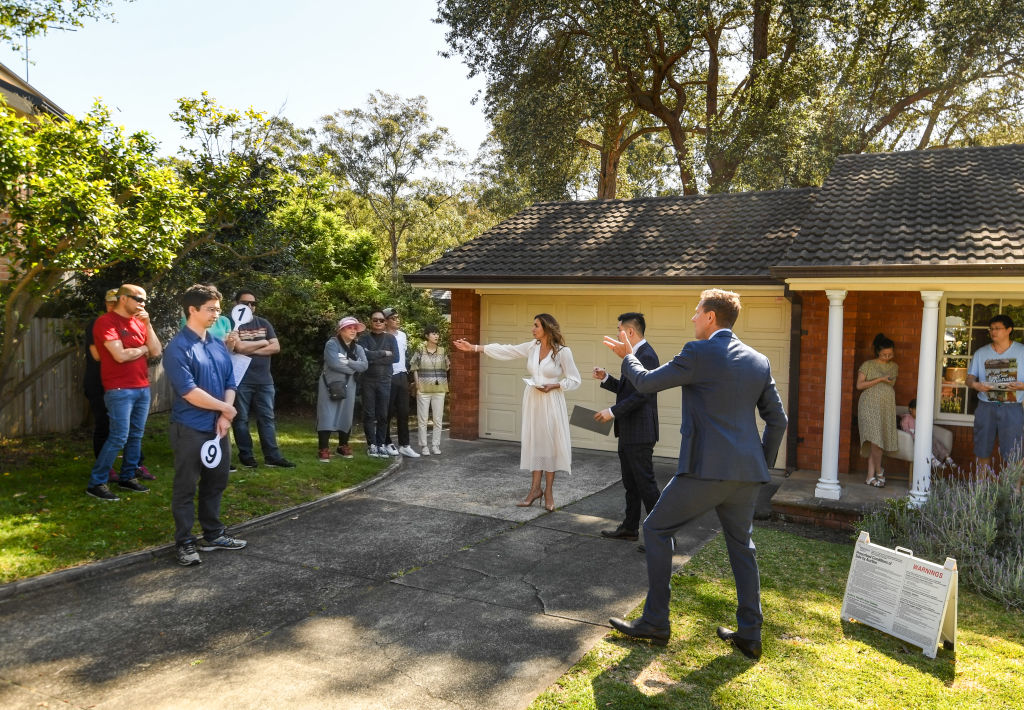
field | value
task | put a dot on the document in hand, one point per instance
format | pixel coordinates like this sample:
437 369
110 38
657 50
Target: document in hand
584 419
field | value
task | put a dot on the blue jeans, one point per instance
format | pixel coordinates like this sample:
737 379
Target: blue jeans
258 399
127 410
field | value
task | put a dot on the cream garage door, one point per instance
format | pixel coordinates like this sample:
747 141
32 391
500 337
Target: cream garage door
585 318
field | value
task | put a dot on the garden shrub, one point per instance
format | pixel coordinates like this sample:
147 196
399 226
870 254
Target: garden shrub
978 522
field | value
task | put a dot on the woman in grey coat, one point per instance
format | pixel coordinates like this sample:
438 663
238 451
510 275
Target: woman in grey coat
342 357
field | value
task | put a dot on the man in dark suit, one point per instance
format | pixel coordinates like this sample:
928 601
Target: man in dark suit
636 426
722 461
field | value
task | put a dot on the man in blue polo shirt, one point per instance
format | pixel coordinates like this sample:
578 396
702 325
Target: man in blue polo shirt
199 369
997 374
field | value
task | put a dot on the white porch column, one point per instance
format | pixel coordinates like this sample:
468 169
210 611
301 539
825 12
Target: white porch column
828 484
922 474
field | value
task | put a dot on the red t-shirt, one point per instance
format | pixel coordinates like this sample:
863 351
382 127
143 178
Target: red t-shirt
132 334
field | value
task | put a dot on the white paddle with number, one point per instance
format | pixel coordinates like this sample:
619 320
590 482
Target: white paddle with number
210 453
241 314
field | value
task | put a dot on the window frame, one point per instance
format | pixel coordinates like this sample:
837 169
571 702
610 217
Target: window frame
972 297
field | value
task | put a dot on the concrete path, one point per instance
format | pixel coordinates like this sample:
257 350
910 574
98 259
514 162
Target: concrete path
428 589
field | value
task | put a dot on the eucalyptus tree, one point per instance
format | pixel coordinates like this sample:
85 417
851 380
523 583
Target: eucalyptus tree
397 160
764 93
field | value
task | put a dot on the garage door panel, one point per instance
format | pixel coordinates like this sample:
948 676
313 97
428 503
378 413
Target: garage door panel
764 325
764 319
500 423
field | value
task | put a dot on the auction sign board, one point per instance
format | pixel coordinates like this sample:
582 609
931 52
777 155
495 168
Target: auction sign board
902 595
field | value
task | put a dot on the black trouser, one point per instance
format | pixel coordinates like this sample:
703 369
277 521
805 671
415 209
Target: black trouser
324 438
100 422
638 479
189 471
398 407
376 391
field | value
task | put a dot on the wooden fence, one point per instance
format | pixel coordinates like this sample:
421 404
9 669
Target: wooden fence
55 403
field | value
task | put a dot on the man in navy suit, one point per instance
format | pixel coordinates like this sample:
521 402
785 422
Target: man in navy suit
722 460
636 426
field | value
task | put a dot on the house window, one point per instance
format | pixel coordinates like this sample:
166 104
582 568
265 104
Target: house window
966 331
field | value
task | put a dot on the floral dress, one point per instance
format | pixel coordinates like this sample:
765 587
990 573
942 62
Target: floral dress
876 410
545 437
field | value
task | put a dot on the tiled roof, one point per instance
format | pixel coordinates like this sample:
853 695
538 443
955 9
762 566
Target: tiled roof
728 237
953 208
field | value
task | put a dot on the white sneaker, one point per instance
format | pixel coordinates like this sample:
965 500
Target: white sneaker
390 450
425 451
408 451
437 450
375 452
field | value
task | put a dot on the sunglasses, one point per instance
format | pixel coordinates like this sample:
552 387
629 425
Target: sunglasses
248 303
136 299
377 320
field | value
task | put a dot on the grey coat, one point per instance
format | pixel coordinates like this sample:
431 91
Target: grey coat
336 414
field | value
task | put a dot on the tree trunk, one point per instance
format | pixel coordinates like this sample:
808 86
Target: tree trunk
606 183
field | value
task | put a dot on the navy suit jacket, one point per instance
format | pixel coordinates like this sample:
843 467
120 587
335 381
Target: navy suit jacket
722 382
636 414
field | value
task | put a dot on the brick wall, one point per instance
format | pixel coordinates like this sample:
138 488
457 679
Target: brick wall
465 380
897 314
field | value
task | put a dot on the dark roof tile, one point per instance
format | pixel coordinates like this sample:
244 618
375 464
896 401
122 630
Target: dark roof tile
727 236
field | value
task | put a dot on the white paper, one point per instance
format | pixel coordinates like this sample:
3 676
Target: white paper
239 364
530 382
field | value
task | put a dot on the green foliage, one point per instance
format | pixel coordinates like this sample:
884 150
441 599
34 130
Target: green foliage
31 18
81 196
396 161
751 95
978 522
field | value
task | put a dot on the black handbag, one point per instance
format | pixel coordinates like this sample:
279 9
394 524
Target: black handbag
336 389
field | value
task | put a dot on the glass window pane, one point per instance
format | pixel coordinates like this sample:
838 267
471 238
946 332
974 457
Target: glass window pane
958 313
955 341
1015 309
984 312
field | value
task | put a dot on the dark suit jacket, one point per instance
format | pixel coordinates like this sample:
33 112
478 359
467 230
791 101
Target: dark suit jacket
636 414
723 382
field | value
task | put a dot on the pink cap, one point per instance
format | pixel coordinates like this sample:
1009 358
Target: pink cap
351 320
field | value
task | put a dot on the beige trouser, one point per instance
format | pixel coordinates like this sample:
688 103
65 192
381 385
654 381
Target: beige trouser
430 403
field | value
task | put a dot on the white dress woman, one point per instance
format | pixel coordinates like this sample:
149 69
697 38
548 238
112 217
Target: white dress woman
546 447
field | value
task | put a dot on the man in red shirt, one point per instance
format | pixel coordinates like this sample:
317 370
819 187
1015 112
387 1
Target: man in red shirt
125 340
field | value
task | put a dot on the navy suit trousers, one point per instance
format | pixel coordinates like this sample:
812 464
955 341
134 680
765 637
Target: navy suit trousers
684 499
638 479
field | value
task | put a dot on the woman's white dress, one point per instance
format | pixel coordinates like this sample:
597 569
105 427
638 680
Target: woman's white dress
546 445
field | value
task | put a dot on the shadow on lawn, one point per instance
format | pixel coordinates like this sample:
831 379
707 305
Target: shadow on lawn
642 679
942 667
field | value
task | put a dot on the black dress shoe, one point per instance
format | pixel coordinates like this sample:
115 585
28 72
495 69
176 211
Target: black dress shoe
620 533
750 649
640 629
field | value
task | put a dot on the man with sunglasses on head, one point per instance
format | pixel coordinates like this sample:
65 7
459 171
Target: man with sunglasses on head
126 341
255 393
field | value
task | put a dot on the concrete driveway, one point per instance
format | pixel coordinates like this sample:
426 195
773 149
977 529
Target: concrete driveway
427 589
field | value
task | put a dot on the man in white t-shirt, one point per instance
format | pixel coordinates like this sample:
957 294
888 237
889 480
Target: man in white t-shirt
398 403
997 375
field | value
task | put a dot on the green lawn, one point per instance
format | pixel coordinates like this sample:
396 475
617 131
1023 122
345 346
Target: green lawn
811 658
47 522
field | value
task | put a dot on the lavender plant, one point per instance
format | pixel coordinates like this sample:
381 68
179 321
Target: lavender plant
976 520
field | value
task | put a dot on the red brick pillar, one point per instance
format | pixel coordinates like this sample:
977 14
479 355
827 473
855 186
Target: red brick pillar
465 379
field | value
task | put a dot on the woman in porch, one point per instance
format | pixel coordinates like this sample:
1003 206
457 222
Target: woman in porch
545 439
876 410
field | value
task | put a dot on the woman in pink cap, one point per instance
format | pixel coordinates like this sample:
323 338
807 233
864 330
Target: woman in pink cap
343 358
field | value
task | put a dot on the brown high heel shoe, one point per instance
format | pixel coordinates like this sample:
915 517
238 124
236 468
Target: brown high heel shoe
528 500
